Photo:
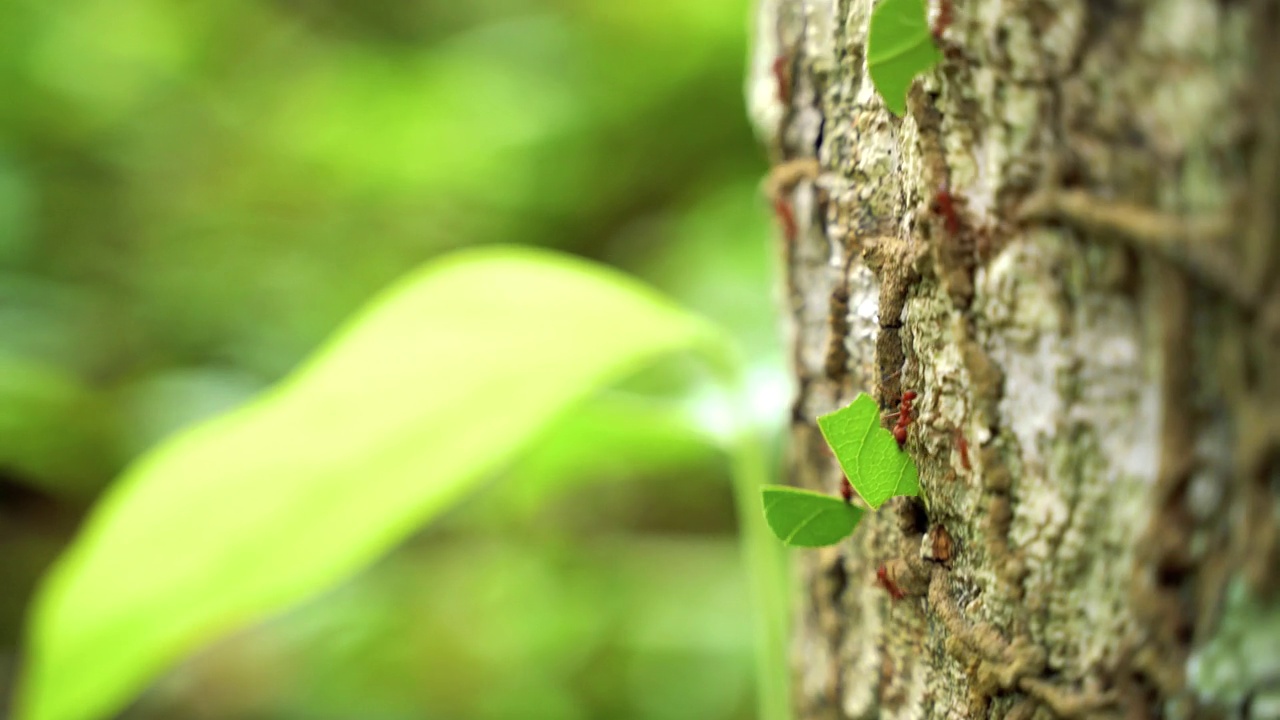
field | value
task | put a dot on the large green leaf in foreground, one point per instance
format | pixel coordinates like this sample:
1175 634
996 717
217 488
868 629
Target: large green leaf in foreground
439 380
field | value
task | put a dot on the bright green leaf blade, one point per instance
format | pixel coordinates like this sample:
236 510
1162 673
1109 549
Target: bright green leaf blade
439 381
899 47
877 468
807 519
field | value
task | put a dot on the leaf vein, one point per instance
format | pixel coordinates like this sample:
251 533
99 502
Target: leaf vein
795 531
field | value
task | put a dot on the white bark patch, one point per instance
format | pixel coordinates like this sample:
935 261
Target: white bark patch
820 35
814 675
863 656
1019 296
1058 42
811 253
1083 406
864 318
1118 400
763 105
935 323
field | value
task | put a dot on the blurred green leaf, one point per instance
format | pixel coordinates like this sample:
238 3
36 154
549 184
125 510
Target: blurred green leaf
51 426
801 518
877 468
107 58
611 437
153 407
899 47
440 380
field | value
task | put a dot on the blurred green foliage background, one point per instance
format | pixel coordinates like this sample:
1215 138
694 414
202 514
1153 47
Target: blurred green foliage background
193 195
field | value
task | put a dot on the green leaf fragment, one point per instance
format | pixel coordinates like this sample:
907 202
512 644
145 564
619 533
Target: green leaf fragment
877 468
801 518
899 47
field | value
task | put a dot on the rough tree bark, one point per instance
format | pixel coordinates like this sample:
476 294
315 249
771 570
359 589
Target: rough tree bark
1094 336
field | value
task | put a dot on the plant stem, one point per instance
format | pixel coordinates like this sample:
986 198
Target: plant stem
766 573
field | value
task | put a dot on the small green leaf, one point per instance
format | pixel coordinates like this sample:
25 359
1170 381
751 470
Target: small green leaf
440 381
868 454
899 47
808 519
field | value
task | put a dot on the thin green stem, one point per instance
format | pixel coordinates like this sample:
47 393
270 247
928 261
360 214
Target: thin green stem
766 572
762 555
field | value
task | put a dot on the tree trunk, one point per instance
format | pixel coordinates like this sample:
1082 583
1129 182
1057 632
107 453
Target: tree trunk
1067 248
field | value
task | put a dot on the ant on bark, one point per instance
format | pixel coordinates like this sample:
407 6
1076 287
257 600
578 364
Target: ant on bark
905 418
787 218
943 21
963 446
944 204
782 76
883 580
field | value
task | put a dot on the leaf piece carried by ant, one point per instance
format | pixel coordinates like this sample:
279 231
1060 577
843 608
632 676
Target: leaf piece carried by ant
801 518
869 455
899 47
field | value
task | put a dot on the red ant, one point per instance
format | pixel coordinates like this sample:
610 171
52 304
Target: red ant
846 489
882 579
963 446
904 417
944 204
782 74
787 217
943 21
